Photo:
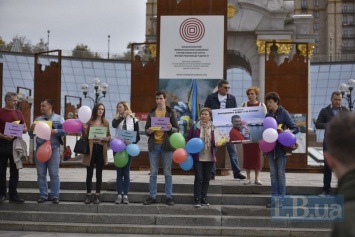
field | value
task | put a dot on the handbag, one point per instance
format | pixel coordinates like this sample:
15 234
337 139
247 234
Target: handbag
82 146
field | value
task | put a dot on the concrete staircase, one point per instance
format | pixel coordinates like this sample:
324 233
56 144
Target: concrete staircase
234 211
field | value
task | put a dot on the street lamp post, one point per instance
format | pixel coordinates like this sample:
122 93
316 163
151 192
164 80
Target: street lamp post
346 89
97 89
108 46
48 40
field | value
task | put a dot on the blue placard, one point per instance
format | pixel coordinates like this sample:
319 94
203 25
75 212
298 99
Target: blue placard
127 135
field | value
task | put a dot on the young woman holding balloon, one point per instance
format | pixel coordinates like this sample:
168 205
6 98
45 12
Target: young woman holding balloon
204 160
98 150
277 157
125 120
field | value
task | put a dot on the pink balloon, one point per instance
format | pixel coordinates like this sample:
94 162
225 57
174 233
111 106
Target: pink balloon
72 125
265 146
44 152
43 130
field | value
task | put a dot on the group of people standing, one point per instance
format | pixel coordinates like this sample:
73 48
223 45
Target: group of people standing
158 145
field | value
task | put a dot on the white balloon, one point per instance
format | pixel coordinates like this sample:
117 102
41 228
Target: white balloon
270 135
84 114
43 130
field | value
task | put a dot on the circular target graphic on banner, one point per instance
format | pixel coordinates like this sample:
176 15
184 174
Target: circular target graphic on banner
192 30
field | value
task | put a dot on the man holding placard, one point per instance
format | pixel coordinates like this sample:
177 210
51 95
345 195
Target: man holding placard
52 164
161 123
9 114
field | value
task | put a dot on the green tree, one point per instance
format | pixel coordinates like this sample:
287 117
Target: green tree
2 44
83 51
19 44
41 46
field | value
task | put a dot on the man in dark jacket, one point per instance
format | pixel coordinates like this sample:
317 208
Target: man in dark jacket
340 156
221 99
159 146
325 116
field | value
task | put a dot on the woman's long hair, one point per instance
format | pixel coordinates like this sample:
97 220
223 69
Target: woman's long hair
94 112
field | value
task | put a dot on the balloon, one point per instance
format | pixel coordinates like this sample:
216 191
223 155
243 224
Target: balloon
121 159
270 135
72 125
43 130
44 152
187 164
117 145
265 146
177 140
195 145
287 138
133 149
84 114
270 122
180 155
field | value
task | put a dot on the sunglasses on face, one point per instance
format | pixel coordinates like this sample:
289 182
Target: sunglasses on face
226 87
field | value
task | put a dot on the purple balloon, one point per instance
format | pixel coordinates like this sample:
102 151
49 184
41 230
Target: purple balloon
72 125
287 138
270 122
117 145
265 146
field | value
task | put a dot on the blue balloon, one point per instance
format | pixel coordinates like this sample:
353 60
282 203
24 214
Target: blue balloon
187 164
195 145
133 149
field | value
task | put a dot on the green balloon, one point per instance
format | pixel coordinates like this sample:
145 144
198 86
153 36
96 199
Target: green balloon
177 140
121 159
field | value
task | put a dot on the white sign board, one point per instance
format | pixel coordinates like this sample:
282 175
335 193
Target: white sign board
191 47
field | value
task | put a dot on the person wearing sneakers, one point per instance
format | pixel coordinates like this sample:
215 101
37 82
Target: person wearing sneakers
98 151
203 161
251 151
159 147
124 120
221 99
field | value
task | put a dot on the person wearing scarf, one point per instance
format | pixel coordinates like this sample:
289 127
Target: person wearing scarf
203 161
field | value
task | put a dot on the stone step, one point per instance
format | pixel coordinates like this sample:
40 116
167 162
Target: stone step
138 208
139 197
162 229
193 219
215 187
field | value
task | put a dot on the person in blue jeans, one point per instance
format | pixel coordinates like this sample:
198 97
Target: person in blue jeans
124 120
159 146
221 99
52 165
277 158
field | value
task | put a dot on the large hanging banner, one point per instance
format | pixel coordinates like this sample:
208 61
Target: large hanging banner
238 124
191 47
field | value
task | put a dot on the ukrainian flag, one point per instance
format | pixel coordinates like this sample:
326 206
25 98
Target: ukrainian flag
192 101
